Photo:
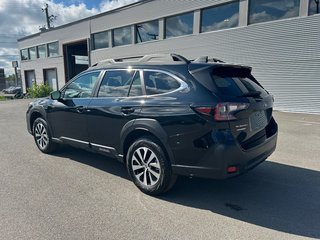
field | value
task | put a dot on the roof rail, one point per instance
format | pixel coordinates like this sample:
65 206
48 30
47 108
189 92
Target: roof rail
206 59
172 57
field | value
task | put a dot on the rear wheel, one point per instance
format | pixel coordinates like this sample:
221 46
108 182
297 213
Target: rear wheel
149 167
42 136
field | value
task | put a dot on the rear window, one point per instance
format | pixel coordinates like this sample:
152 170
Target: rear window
236 86
236 82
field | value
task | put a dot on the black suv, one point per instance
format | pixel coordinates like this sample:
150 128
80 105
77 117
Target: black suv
163 116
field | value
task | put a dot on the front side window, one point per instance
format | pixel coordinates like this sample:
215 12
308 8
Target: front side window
116 83
42 51
33 53
101 40
82 86
179 25
122 36
314 6
53 49
147 31
24 54
220 17
269 10
158 83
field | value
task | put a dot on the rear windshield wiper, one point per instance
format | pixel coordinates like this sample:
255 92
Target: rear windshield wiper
251 94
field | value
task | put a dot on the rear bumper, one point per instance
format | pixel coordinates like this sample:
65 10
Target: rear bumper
223 155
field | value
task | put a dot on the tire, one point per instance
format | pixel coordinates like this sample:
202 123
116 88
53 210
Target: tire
148 166
42 136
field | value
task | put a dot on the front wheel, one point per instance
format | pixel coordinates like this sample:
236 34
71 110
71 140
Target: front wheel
149 167
42 136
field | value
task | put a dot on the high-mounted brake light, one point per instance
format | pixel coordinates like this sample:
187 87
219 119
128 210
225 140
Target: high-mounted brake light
223 111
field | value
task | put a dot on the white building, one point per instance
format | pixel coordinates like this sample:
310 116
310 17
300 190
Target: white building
280 39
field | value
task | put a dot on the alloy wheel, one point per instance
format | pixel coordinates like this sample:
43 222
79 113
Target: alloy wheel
146 166
41 136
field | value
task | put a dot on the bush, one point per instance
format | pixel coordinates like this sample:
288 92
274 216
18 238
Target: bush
39 91
2 98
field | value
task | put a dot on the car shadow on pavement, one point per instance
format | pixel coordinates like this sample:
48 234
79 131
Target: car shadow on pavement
273 195
98 161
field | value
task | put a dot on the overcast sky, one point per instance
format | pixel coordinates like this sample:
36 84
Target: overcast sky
19 18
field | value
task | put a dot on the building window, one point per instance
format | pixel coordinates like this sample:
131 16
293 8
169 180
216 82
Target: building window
101 40
42 51
269 10
220 17
53 49
24 54
32 53
122 36
147 31
313 7
179 25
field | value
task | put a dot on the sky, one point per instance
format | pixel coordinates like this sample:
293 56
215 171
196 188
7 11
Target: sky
19 18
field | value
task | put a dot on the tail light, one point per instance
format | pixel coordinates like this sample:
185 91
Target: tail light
223 111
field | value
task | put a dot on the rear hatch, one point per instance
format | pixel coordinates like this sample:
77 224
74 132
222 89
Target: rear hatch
242 102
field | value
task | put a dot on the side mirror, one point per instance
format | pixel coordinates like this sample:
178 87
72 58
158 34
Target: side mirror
55 95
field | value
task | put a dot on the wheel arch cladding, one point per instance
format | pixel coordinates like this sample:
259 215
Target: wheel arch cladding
33 117
144 127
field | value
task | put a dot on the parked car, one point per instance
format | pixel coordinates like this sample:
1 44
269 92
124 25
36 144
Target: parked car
12 90
162 116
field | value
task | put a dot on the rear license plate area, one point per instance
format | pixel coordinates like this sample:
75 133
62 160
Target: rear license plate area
258 120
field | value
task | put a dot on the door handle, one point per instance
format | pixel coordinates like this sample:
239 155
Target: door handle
127 110
80 109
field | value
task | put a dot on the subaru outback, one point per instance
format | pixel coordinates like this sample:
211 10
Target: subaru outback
162 116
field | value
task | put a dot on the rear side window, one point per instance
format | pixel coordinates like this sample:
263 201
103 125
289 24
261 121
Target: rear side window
158 83
116 84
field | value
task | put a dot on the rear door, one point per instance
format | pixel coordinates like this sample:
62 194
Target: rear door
119 99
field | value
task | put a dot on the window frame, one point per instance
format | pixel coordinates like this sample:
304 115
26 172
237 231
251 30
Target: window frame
45 53
27 51
215 7
48 49
251 2
176 15
123 27
137 31
107 40
35 51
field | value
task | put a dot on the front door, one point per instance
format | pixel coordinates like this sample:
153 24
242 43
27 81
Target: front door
68 116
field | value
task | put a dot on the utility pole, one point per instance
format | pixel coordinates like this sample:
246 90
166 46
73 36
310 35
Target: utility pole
49 18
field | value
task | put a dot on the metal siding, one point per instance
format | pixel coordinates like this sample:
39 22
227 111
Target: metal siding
285 56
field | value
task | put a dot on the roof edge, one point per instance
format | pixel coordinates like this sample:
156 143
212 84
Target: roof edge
139 2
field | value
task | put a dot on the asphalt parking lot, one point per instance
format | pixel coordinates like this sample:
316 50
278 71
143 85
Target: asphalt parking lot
79 195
